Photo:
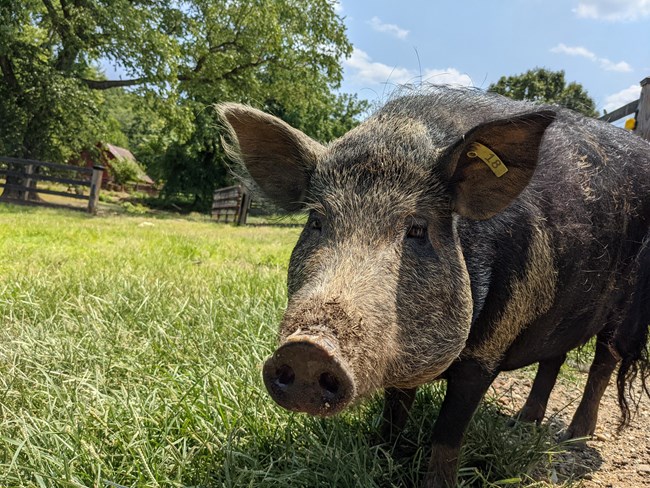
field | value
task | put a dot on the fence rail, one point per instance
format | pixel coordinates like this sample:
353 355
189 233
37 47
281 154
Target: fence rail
621 112
22 176
640 108
44 164
231 204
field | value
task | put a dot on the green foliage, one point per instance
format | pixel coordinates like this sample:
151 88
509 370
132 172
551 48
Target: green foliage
542 85
124 170
176 59
196 167
134 209
130 355
140 121
46 112
324 121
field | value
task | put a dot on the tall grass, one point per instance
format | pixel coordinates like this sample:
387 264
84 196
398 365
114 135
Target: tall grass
130 355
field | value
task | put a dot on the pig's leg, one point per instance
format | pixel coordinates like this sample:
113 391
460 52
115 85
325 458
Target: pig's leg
535 406
467 382
397 404
584 420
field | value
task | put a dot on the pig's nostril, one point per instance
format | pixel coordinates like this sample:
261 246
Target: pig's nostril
285 376
329 383
307 374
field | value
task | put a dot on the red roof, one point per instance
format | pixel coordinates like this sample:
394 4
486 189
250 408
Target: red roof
120 152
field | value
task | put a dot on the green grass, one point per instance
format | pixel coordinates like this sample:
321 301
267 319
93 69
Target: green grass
130 355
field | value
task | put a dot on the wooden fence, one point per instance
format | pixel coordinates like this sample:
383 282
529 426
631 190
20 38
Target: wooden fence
640 108
22 176
231 204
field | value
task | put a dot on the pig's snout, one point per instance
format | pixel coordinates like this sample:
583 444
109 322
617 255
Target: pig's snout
307 374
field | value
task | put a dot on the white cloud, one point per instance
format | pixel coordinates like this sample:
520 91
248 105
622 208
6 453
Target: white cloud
391 29
616 100
338 7
604 63
365 70
621 66
574 51
449 76
613 10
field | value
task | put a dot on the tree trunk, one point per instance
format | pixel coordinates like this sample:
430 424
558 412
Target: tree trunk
16 194
33 138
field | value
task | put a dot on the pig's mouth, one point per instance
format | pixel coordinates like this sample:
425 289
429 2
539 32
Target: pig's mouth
308 374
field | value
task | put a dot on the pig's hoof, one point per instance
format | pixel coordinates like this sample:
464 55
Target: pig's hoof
580 430
576 438
528 415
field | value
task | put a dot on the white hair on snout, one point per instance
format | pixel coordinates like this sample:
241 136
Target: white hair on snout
349 300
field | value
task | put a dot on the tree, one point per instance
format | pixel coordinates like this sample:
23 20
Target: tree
178 57
124 171
302 43
542 85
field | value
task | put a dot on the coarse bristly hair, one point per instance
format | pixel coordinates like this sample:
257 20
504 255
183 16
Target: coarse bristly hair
635 348
588 194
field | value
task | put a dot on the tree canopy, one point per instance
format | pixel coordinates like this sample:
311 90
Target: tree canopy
174 59
542 85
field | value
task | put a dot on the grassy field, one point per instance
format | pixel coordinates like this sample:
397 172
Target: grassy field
130 355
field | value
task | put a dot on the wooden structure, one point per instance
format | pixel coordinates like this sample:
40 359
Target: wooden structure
105 154
231 204
643 116
22 177
640 108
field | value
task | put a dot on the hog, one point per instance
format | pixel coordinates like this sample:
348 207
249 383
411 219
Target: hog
455 234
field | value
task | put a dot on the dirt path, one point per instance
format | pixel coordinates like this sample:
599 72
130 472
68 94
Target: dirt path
609 459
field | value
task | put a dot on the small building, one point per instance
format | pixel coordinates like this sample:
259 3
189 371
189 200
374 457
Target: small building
109 152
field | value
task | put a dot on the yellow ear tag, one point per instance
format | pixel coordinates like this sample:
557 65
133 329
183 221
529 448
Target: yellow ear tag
478 150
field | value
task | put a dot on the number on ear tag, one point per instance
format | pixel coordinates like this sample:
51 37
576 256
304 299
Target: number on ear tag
485 154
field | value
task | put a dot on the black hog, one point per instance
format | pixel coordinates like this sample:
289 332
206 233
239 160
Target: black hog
455 234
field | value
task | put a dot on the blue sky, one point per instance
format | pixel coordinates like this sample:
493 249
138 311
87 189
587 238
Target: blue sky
602 44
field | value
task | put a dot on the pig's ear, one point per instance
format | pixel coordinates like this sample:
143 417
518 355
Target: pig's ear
278 157
494 162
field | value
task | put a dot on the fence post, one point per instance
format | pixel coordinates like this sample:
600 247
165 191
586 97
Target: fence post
643 117
243 207
95 186
29 169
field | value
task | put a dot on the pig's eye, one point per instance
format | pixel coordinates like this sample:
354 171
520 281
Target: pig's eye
315 224
417 231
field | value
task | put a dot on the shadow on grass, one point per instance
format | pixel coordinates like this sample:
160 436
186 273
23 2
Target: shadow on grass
339 452
30 206
273 224
576 459
311 452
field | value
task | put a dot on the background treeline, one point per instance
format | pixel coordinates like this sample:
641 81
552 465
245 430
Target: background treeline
170 61
174 60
